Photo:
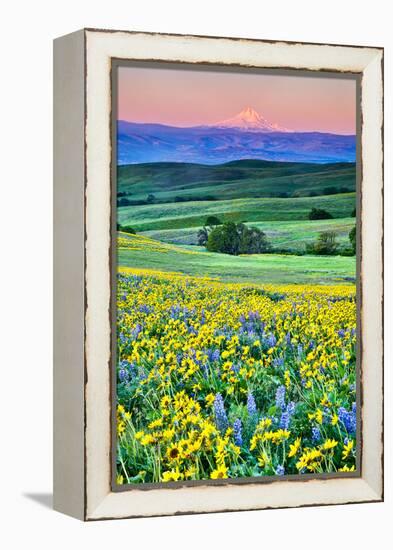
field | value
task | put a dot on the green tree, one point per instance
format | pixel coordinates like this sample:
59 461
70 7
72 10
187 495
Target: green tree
232 238
224 238
319 214
212 221
330 191
202 236
128 229
252 240
352 238
325 245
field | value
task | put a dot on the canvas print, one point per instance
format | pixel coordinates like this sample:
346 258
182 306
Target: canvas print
236 305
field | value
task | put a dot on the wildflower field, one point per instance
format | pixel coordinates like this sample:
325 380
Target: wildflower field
229 380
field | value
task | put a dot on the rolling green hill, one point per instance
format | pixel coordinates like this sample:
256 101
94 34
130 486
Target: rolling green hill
193 214
281 234
141 252
170 182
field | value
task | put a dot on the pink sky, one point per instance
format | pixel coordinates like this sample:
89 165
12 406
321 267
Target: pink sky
193 97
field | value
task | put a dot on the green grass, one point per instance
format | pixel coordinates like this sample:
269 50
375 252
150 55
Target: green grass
281 234
193 214
263 268
239 179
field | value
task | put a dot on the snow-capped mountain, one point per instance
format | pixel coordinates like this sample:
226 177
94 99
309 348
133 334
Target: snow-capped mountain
250 119
146 142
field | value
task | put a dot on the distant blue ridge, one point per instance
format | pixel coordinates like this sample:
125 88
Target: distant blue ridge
143 143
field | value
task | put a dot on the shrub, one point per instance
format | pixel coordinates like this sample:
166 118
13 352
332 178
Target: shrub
330 191
319 214
127 229
202 236
345 251
224 238
212 221
325 245
123 202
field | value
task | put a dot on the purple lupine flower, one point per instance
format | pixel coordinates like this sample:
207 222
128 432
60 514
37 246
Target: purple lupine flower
271 341
135 332
237 432
174 311
278 362
220 414
280 470
341 333
123 375
142 373
285 420
251 405
348 418
315 434
213 355
280 397
286 416
291 407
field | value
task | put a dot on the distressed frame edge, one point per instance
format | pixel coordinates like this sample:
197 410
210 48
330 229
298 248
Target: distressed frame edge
375 493
69 276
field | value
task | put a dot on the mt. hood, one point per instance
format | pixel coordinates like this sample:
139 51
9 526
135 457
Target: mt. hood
251 120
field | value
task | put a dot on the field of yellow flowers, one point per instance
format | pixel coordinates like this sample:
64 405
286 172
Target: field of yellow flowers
218 380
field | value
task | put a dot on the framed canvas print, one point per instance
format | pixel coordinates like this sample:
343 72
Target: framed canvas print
218 274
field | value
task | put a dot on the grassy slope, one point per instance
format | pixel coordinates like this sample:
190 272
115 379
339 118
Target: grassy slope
291 234
144 253
193 214
240 179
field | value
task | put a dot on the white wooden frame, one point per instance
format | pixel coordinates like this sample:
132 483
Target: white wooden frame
82 382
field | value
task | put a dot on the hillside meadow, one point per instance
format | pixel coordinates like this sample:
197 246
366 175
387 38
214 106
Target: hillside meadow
234 366
292 234
238 179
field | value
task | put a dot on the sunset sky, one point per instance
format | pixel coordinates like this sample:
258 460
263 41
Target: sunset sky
180 97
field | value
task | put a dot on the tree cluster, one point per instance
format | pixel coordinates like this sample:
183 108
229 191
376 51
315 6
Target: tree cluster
234 238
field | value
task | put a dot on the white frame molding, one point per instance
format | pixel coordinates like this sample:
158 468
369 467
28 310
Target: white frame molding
82 465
